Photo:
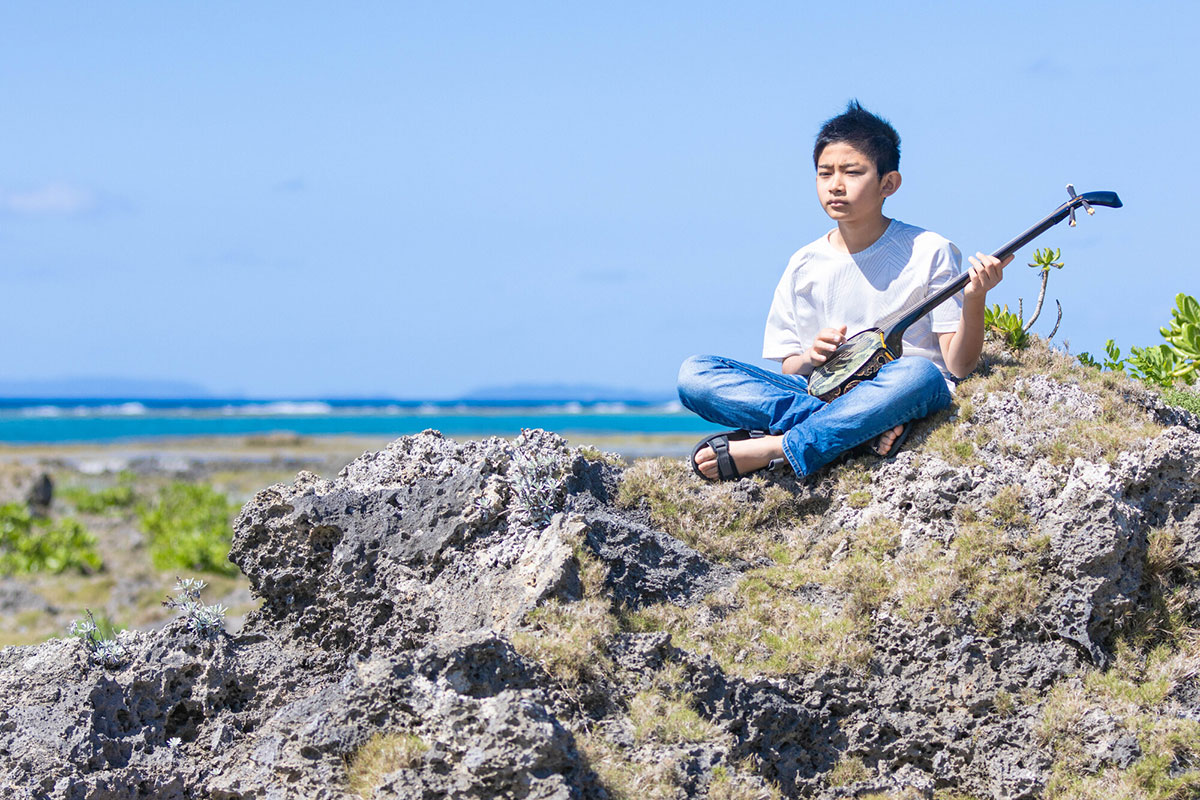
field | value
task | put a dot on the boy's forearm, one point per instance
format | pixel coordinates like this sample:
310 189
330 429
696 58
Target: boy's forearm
962 355
797 365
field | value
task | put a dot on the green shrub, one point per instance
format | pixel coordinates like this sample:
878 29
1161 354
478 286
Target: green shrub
1181 399
1005 326
1166 364
97 502
1183 335
31 544
188 528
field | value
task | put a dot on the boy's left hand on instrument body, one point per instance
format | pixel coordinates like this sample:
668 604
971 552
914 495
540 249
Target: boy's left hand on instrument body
986 272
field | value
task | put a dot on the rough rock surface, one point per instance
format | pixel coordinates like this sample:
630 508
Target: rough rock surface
400 597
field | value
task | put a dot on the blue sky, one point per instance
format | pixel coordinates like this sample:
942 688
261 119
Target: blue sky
292 199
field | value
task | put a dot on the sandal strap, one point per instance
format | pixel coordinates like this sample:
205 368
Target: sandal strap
726 469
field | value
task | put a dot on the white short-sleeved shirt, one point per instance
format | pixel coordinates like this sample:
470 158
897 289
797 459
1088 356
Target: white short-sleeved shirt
823 287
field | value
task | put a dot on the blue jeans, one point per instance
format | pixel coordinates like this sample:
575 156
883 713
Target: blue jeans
737 395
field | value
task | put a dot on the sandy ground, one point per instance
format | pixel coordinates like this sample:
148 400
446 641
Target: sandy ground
128 591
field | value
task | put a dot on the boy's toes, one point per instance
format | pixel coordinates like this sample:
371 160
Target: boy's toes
886 439
706 462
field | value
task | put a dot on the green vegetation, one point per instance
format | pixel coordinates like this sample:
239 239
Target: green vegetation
383 754
1166 365
35 544
1044 261
99 501
1187 400
188 527
1183 334
1013 329
100 639
1005 326
204 620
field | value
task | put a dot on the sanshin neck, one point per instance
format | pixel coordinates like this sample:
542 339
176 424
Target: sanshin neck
893 332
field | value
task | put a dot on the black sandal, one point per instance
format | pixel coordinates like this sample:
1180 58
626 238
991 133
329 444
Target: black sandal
726 469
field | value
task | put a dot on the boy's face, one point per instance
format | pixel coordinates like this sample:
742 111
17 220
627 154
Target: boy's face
849 187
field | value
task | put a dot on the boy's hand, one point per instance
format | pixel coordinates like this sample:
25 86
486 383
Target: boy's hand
986 272
826 342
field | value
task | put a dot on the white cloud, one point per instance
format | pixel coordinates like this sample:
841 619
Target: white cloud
53 199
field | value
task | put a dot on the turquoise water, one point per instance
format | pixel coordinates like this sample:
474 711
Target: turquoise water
133 420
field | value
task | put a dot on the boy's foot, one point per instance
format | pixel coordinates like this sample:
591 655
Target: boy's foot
729 456
891 440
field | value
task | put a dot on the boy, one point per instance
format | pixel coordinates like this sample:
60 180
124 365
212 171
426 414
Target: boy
865 269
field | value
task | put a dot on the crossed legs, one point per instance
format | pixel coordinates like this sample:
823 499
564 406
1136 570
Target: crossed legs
805 430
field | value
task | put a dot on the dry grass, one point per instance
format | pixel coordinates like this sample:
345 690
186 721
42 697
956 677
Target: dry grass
1158 651
1122 422
725 521
624 778
953 443
848 770
570 639
665 713
382 755
1168 613
815 607
592 453
740 784
1007 507
1136 691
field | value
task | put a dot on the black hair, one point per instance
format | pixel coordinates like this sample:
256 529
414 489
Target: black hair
869 133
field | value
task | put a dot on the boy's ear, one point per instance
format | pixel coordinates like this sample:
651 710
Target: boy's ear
889 183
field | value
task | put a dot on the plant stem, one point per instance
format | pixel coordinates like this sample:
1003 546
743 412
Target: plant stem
1056 322
1041 299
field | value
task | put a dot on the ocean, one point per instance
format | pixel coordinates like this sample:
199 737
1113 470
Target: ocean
55 421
